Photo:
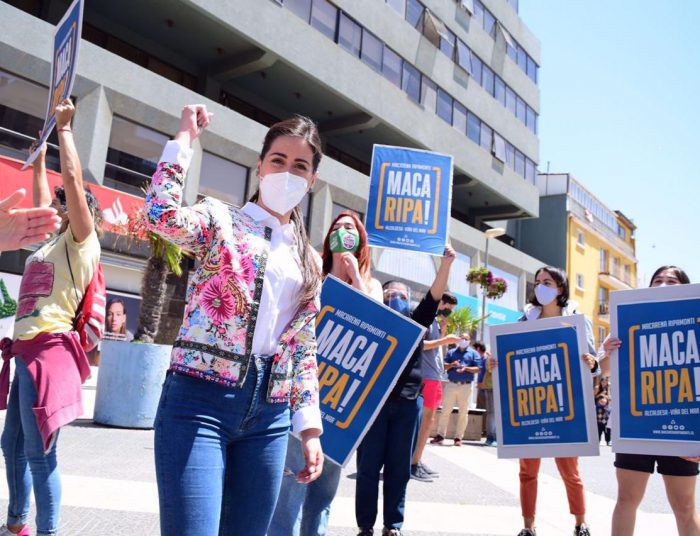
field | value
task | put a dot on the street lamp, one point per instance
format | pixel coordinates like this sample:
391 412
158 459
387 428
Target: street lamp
489 234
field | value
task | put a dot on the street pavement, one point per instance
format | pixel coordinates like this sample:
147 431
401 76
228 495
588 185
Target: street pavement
109 489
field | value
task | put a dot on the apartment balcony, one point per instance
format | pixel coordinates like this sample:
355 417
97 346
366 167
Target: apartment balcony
613 280
604 312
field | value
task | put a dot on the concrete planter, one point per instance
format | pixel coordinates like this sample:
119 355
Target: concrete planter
129 383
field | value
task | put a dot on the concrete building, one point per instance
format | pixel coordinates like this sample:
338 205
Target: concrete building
595 244
458 77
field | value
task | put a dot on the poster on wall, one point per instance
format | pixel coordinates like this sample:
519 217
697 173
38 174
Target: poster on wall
656 371
410 194
66 42
543 389
362 347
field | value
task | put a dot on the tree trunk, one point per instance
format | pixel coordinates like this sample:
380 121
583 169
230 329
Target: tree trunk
153 287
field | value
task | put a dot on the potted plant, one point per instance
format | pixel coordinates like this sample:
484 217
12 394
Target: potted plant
462 320
131 374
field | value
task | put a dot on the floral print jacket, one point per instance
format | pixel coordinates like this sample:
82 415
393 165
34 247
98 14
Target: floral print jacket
215 340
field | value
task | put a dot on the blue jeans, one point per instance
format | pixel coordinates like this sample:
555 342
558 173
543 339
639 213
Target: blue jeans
26 463
490 415
219 454
389 444
303 509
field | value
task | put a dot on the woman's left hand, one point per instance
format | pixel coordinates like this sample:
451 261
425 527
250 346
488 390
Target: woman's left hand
313 456
589 359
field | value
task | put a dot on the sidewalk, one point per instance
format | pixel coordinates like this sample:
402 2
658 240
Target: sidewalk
109 490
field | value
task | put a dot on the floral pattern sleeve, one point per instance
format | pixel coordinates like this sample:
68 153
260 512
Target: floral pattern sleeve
189 227
304 399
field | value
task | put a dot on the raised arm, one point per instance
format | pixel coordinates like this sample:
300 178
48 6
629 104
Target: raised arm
188 227
41 193
79 215
440 283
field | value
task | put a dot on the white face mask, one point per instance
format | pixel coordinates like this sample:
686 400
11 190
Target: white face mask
546 295
462 345
281 192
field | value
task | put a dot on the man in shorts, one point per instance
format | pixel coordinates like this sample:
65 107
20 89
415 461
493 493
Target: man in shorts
433 370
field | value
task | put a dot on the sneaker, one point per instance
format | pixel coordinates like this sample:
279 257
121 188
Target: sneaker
418 474
582 530
4 531
527 532
458 442
365 532
391 532
428 470
437 440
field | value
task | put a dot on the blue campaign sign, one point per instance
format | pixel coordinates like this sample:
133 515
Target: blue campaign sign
657 371
409 199
66 42
362 347
544 389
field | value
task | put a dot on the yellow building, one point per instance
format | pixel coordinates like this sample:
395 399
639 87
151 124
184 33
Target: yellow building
594 244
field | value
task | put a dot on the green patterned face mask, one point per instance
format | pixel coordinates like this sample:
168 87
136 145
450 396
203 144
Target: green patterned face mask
343 240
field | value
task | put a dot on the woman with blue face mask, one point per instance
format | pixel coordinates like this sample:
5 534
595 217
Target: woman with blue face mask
551 299
633 470
243 368
304 509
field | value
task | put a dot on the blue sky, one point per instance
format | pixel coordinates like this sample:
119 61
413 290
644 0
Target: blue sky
620 110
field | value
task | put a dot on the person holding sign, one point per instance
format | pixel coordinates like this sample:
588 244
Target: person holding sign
243 368
390 441
551 299
303 509
51 364
633 470
20 227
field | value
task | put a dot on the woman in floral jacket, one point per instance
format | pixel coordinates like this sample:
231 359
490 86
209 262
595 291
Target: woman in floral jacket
243 367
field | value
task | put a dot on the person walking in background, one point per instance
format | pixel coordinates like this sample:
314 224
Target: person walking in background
433 370
602 410
485 385
303 509
390 441
243 368
462 366
680 475
50 363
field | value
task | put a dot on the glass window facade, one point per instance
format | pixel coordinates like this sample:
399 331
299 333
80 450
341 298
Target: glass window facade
372 50
132 155
349 35
223 179
324 17
444 106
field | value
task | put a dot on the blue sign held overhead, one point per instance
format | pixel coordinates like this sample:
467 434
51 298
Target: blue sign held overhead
409 199
66 41
544 389
362 347
657 371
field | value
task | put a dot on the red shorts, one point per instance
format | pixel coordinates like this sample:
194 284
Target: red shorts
432 394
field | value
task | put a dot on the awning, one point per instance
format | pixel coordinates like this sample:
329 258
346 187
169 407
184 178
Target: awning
116 206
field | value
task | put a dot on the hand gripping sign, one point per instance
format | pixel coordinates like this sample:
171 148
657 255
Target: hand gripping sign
362 347
543 389
66 40
656 371
409 199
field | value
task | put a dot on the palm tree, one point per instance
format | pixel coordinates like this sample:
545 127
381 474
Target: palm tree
462 320
165 257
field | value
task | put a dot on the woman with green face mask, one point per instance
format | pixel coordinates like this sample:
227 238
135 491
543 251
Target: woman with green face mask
303 509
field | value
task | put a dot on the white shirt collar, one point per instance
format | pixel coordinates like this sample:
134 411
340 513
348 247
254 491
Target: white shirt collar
260 215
